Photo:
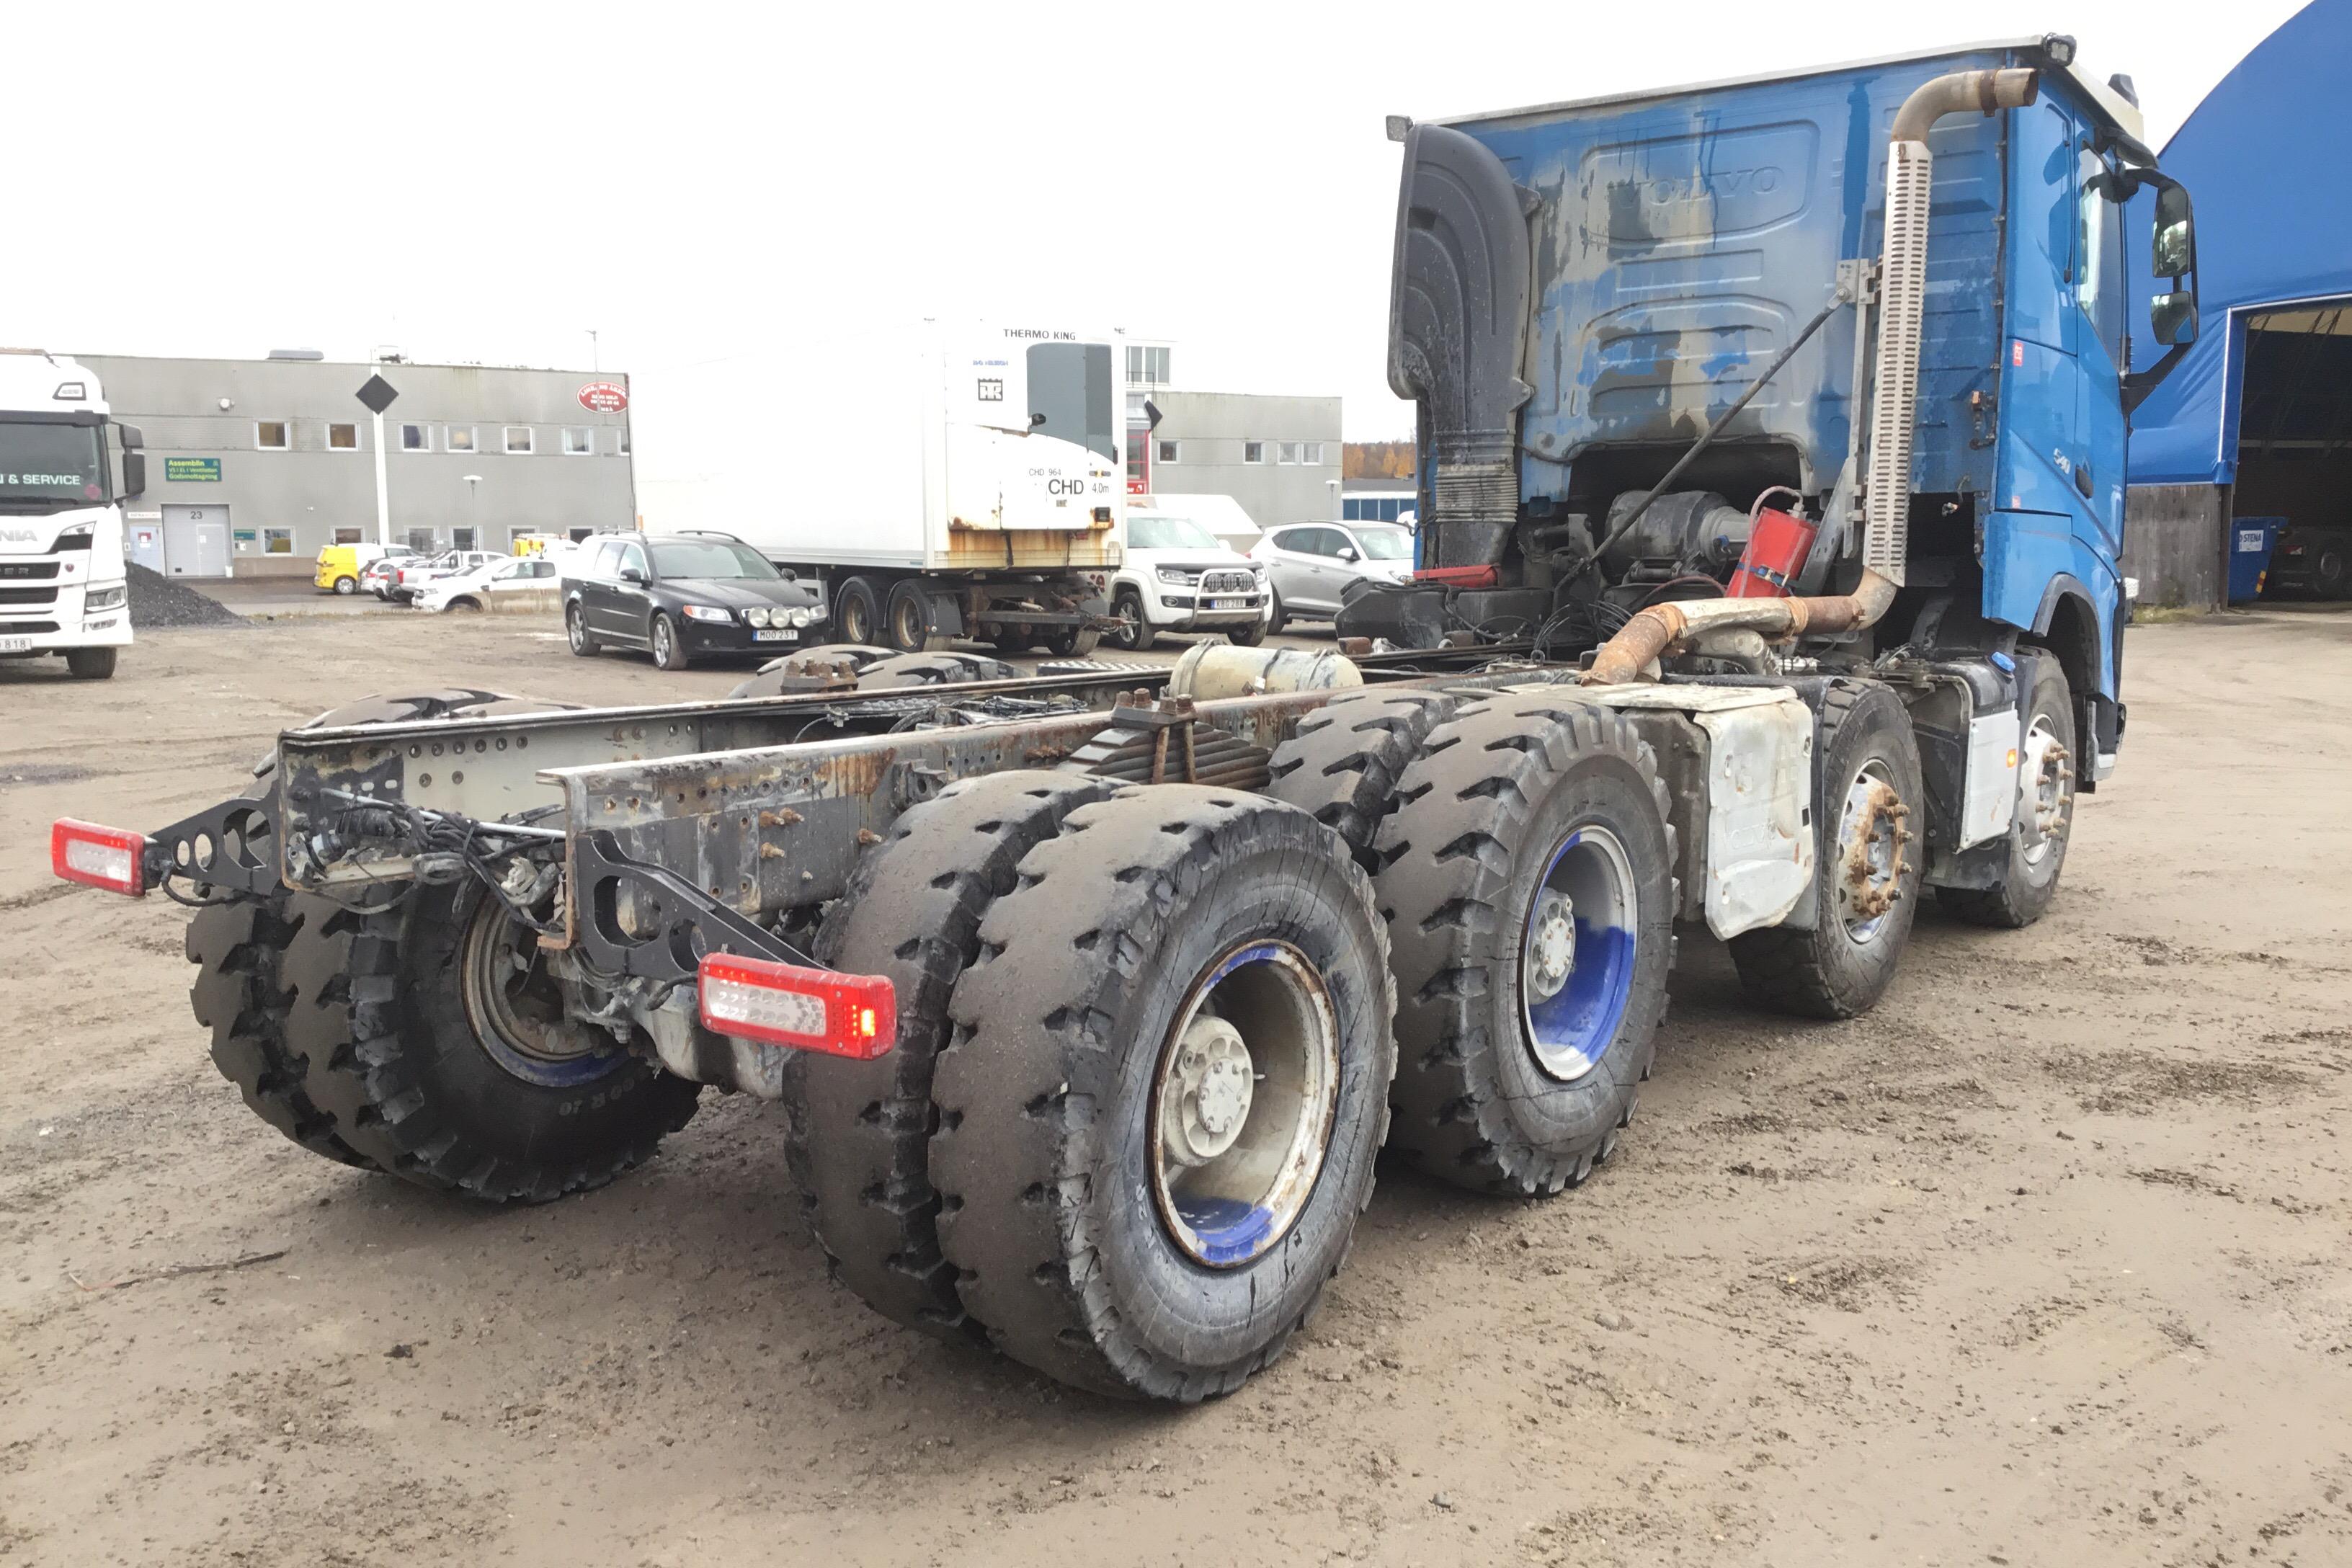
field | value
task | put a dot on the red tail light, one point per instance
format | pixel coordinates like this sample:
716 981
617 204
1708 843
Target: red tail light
808 1009
109 857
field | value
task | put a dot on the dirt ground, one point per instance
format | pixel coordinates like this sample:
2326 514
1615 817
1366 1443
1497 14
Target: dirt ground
2044 1261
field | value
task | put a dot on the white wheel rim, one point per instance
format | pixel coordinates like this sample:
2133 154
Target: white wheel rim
2045 778
1242 1103
1873 830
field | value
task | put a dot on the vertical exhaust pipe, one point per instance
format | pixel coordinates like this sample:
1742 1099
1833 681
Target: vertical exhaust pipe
1903 295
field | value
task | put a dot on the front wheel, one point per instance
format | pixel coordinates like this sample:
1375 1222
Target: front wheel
668 652
91 663
1135 634
1160 1110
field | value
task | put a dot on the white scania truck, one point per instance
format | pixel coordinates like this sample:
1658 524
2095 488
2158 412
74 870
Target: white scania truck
63 588
951 481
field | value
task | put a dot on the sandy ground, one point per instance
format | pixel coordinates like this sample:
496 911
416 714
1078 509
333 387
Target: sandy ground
2043 1262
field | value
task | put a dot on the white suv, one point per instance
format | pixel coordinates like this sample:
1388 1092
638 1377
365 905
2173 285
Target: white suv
1177 576
1314 564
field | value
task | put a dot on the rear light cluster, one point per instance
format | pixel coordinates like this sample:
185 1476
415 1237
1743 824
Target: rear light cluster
808 1009
110 857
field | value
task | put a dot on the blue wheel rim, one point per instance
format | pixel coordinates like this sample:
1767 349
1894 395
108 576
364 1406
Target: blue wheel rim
1577 947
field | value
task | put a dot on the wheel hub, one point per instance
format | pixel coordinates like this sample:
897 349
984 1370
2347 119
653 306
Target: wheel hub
2048 772
516 1005
1552 947
1873 830
1208 1094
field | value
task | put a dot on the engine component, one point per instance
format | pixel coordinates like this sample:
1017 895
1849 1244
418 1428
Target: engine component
1778 544
1684 533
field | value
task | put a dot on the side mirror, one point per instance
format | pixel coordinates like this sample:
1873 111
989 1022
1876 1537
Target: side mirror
2173 251
631 574
2173 318
135 474
1347 553
1035 420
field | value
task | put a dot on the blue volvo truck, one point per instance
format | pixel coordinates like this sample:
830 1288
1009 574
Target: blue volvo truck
1774 473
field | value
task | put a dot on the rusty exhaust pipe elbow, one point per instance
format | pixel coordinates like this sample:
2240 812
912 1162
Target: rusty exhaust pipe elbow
1989 91
1644 637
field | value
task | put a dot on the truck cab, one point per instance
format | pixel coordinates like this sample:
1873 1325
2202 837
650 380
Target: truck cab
63 585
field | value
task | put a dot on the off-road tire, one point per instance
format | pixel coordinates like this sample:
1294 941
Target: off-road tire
1045 1093
2024 892
376 1018
241 994
1342 763
1479 811
1138 634
859 1132
91 663
1824 973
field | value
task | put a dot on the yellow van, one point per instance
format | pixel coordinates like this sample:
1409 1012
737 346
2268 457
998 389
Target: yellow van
339 566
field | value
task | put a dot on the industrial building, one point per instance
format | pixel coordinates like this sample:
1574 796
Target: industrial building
254 465
1277 457
2254 421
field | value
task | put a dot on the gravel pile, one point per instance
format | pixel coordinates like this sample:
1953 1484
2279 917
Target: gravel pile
157 601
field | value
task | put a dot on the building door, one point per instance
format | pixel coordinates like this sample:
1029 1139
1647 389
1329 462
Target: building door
196 540
146 541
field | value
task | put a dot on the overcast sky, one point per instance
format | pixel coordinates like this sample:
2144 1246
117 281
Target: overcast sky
725 194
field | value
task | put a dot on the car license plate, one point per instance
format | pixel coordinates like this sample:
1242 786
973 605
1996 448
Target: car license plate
1221 604
779 634
15 645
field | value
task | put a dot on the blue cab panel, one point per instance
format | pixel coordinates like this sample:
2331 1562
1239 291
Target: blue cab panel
1682 240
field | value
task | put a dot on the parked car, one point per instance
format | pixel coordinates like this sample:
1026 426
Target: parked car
1312 563
474 590
342 568
1177 576
413 574
684 596
376 576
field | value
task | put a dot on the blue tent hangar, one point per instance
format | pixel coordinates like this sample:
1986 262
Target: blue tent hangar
2255 420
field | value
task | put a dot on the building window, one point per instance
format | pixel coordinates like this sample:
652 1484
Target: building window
1285 451
461 538
518 440
347 536
420 541
623 448
1311 453
342 437
1146 367
271 434
415 439
1253 451
457 438
1168 451
277 542
579 441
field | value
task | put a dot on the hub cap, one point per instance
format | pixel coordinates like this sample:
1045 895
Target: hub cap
1243 1104
1871 832
516 1005
1575 954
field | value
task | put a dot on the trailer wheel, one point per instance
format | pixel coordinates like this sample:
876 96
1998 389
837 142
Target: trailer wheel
901 669
1159 1114
1136 633
860 1131
1527 878
857 610
1866 784
2045 814
910 620
1071 642
1342 762
432 1038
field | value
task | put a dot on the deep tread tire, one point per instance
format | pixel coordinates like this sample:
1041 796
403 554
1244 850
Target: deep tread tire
903 670
377 1019
1494 789
2024 894
1342 763
1824 973
241 995
1045 1095
859 1137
